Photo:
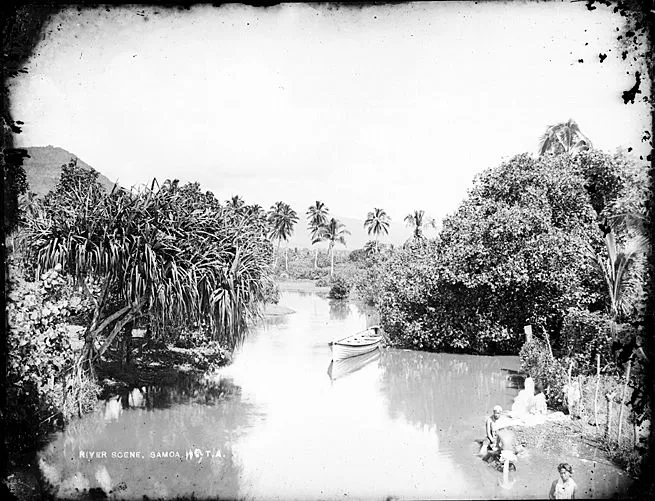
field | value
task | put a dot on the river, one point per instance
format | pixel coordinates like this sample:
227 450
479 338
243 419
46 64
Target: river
282 423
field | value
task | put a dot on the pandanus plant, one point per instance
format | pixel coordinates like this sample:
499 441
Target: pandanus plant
169 252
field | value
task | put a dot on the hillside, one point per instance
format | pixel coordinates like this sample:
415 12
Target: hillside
43 168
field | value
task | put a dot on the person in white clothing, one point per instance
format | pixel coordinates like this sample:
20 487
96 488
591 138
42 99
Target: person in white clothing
564 487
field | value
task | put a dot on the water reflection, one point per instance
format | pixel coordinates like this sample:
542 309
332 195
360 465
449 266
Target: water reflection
367 311
339 309
340 368
444 389
155 442
393 423
273 320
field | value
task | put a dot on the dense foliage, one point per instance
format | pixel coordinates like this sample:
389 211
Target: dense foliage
14 184
584 336
42 348
340 287
546 370
546 241
170 252
515 252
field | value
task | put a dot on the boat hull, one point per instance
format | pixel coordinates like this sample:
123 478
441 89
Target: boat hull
340 351
357 344
346 366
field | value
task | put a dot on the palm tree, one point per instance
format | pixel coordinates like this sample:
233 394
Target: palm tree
236 202
377 222
334 232
623 287
565 137
417 220
317 215
282 218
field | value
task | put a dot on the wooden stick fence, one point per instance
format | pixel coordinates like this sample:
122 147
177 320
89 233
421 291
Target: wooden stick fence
596 394
616 393
625 385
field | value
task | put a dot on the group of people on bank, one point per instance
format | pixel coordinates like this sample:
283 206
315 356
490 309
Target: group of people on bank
500 443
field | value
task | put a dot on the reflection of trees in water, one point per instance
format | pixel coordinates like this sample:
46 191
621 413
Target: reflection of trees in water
306 293
440 389
275 320
209 417
339 309
368 311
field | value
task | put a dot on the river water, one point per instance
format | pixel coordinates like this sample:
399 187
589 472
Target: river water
281 422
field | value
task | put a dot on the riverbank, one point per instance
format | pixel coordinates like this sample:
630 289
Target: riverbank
301 285
580 439
273 310
161 367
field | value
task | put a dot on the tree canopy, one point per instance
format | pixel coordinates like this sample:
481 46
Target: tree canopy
519 250
171 252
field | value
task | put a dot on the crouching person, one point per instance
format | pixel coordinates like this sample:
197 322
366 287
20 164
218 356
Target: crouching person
490 443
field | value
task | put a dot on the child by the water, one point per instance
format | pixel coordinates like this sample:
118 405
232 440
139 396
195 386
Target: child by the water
564 487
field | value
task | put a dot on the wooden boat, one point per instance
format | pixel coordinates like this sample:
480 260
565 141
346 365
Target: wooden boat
357 344
343 367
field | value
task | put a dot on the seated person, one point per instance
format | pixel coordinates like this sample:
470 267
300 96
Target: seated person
509 447
539 402
525 399
490 441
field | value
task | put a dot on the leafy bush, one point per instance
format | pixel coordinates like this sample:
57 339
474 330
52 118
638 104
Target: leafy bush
323 282
271 292
546 371
367 280
340 287
358 255
313 274
42 352
583 336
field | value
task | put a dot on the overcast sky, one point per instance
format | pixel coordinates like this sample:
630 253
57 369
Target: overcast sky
391 107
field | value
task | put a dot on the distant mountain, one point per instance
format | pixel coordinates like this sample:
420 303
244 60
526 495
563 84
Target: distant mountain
43 168
398 234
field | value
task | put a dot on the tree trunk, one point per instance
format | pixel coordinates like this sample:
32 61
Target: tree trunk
316 258
118 327
286 256
127 337
331 260
608 426
277 252
550 348
89 355
596 394
376 244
